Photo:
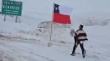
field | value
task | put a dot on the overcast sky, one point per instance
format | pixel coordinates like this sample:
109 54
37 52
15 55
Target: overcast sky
80 7
88 8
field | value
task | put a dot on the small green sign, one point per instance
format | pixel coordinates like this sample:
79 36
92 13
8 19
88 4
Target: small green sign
11 7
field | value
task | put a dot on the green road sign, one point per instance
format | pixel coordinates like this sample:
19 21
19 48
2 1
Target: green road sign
11 7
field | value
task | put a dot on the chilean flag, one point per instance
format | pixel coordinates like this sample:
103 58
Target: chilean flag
62 14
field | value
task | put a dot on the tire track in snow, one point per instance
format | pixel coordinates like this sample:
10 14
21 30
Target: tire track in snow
13 48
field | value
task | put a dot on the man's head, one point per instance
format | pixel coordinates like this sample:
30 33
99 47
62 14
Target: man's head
81 27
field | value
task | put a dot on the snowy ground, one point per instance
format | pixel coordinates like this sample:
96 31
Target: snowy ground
30 47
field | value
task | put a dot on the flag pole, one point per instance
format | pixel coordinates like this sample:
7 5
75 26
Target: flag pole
50 37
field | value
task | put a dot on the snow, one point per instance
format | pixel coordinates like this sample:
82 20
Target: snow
28 39
15 50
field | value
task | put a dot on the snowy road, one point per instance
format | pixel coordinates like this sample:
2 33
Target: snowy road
19 51
13 50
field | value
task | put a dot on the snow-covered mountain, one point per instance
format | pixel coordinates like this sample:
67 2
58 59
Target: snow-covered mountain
28 39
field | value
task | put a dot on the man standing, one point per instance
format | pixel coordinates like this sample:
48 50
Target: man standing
80 36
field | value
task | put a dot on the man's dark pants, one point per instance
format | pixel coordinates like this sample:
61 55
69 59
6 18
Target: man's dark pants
81 46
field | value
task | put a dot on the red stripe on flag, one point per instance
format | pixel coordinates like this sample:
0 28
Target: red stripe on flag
60 18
